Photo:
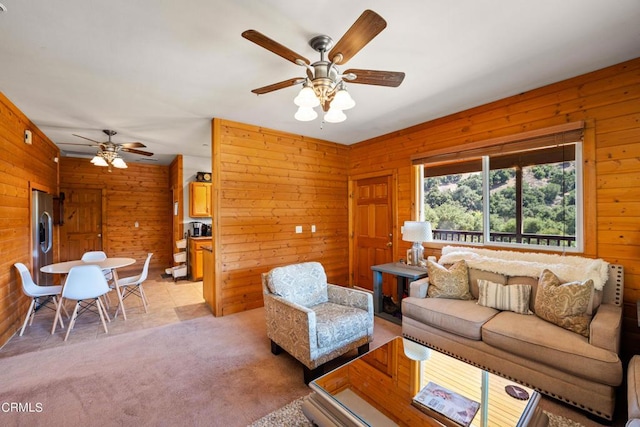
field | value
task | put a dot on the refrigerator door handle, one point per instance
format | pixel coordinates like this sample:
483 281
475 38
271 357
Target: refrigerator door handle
47 220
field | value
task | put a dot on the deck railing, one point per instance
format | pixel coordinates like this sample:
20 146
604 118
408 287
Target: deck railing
523 238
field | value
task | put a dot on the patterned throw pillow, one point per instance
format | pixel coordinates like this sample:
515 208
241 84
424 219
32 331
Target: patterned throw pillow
564 304
452 283
504 297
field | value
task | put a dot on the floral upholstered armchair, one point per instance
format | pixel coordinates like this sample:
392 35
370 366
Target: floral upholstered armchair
312 320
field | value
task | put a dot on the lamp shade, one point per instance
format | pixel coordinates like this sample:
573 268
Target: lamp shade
334 116
307 98
415 351
119 163
99 161
417 231
305 114
342 100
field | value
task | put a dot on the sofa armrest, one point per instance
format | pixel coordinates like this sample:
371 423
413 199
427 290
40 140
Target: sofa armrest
605 328
286 320
418 288
350 297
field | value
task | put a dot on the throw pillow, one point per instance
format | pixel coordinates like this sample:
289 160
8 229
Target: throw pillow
504 297
452 283
564 304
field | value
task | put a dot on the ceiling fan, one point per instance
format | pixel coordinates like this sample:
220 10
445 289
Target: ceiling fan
324 84
107 154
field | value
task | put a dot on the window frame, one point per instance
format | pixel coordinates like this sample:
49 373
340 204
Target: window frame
569 133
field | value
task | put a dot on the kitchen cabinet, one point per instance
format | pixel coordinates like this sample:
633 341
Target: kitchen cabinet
196 263
200 199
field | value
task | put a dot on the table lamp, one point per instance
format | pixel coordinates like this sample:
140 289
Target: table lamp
416 232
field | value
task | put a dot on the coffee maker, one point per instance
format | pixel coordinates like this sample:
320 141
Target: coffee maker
196 229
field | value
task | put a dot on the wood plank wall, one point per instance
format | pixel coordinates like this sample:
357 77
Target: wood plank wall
176 183
265 184
22 168
608 100
139 193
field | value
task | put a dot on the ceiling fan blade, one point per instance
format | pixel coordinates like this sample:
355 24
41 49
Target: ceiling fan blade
366 27
375 77
276 86
134 151
133 145
88 139
273 46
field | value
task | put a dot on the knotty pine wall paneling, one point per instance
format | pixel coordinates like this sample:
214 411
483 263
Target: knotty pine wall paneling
266 183
22 168
176 183
608 100
139 193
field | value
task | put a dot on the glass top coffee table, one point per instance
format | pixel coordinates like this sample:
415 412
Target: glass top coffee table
403 383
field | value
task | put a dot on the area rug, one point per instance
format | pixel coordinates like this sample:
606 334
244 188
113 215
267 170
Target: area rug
291 415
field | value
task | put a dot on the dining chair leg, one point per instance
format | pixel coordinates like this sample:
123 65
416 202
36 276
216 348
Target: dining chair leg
29 315
58 315
56 302
100 310
120 300
145 303
73 320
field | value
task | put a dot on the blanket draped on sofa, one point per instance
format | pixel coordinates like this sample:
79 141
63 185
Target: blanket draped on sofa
567 268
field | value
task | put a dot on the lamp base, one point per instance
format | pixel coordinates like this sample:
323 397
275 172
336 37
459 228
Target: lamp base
415 255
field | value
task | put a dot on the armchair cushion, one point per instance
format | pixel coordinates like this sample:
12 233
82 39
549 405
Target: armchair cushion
304 284
337 323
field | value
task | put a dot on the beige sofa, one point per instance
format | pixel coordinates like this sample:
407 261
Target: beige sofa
583 372
633 392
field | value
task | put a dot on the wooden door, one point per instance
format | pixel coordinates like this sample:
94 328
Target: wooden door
82 228
372 230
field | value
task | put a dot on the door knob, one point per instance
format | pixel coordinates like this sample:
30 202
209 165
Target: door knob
389 244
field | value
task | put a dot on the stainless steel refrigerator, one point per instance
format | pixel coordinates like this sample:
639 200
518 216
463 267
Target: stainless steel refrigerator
42 234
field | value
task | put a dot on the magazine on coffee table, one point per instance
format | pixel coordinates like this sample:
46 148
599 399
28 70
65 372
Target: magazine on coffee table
435 399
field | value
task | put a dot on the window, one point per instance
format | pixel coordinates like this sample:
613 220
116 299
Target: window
525 192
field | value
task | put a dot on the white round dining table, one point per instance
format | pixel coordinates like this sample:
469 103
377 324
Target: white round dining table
108 264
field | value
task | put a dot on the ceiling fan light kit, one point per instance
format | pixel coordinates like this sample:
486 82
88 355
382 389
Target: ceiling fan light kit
325 85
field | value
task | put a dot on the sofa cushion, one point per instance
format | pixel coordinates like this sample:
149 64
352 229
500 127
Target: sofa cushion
502 297
564 304
524 280
448 283
336 323
460 317
304 283
476 274
535 339
633 388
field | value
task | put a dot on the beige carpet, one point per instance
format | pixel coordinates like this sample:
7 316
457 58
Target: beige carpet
201 372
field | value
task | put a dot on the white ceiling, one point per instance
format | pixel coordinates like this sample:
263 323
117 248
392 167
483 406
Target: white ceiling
157 71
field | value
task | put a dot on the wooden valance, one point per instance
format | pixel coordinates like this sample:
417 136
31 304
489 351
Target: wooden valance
553 136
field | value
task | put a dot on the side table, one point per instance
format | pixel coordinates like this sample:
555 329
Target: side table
404 274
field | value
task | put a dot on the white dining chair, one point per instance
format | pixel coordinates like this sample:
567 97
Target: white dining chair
132 285
98 256
41 295
85 284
